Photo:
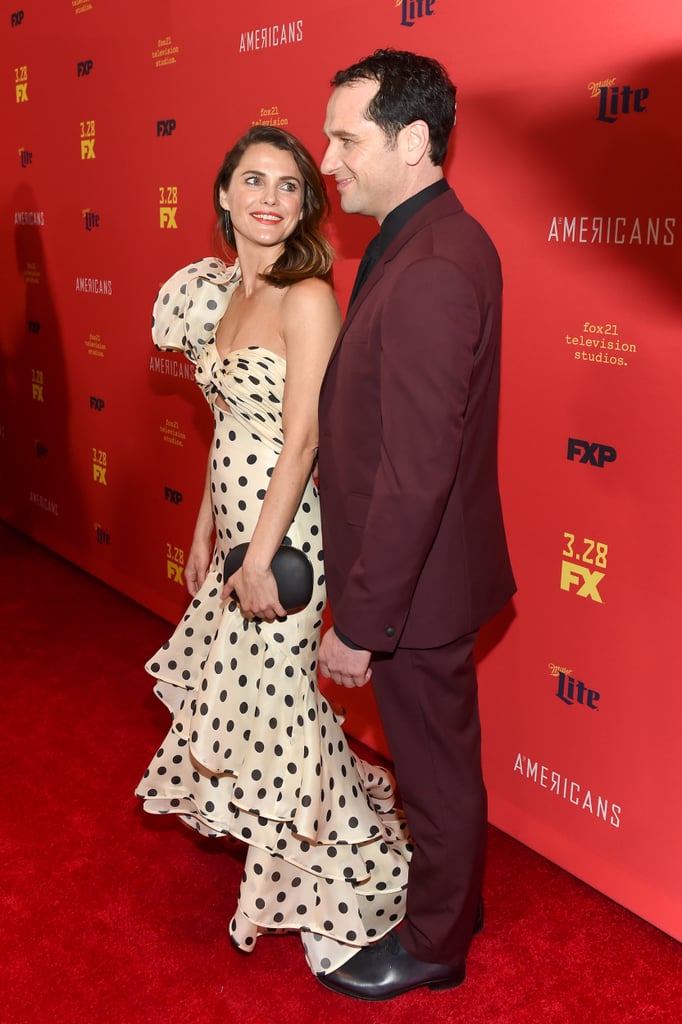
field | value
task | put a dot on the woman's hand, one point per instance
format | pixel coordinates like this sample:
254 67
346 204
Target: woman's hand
197 565
256 592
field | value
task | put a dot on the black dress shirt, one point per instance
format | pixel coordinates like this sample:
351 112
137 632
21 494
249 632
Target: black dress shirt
392 225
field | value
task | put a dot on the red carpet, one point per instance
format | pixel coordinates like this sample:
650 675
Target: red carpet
111 916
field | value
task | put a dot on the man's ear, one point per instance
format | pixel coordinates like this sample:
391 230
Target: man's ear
416 141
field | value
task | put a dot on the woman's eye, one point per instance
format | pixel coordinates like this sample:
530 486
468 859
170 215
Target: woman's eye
252 179
289 186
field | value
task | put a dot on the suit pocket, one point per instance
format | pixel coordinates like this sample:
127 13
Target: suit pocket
356 507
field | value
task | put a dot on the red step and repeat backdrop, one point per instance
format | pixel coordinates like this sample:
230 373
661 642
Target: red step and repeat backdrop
115 118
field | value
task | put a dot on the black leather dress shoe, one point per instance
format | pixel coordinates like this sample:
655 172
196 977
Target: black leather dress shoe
384 970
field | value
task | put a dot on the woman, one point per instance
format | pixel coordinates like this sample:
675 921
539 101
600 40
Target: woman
255 751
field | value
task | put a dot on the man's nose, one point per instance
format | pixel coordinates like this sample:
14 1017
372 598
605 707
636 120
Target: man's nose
329 160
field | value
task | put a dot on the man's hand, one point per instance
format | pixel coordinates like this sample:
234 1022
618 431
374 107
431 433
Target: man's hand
341 663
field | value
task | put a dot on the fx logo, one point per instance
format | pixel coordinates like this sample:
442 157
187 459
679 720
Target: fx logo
41 450
412 9
586 580
96 403
166 127
613 98
571 692
174 571
83 67
102 536
91 220
87 149
167 216
21 89
175 497
594 454
16 18
38 395
26 157
34 326
99 473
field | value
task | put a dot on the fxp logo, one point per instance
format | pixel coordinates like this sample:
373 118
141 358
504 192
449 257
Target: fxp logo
173 496
166 127
594 454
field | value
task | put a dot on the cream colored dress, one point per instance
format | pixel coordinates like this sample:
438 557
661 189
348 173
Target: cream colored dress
255 751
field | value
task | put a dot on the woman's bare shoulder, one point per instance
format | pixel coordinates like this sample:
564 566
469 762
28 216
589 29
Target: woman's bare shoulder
312 290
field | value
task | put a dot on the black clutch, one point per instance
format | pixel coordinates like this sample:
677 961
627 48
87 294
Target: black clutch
292 571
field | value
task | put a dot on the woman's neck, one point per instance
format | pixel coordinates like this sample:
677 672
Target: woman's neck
254 261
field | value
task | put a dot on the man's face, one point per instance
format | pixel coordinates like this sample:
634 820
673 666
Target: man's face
367 168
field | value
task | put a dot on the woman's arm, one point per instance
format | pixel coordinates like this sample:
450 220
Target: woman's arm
310 326
199 556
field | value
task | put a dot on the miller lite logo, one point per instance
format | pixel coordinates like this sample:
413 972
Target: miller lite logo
101 534
16 19
166 127
91 220
615 100
175 497
592 454
83 68
410 10
571 691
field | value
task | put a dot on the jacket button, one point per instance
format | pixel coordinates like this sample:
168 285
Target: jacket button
390 631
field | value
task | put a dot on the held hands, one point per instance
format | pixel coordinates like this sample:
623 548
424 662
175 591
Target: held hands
341 663
256 592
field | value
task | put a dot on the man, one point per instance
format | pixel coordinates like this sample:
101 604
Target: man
415 551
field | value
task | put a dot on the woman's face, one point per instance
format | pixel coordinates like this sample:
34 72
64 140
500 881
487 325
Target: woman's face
265 196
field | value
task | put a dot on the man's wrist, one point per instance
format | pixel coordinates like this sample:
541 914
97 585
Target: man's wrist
347 641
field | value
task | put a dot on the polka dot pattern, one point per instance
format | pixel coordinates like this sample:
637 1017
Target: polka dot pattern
254 751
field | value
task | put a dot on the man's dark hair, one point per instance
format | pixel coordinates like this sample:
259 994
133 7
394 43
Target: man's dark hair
411 88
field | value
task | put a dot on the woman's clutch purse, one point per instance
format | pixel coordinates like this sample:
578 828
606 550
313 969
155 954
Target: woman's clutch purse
292 571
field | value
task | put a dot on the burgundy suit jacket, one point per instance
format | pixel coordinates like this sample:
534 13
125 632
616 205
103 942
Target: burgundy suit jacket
414 543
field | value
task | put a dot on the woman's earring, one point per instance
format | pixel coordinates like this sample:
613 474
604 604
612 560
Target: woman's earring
228 224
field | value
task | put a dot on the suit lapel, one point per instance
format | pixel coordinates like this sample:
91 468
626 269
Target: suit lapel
447 203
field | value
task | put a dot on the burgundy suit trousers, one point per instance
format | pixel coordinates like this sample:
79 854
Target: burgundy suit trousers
428 702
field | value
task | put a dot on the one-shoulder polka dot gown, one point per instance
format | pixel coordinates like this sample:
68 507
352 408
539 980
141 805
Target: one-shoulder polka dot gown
255 751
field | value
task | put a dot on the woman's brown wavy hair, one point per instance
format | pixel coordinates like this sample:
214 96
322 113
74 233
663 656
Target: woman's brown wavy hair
307 253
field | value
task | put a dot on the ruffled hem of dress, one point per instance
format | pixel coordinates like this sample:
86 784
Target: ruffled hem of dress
328 819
